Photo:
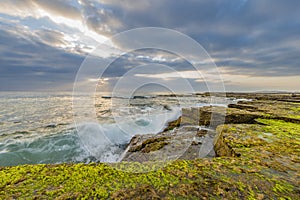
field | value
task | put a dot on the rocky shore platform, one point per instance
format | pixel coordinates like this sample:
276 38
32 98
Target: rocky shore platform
248 150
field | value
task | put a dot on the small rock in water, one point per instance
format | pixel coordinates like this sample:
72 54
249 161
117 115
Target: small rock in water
167 107
51 125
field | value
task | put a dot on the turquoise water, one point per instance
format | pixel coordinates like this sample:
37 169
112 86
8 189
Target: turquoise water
39 127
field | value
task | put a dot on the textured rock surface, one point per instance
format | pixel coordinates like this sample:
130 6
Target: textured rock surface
259 160
273 148
248 111
160 147
168 145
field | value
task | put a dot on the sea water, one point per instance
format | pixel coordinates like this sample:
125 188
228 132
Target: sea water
40 128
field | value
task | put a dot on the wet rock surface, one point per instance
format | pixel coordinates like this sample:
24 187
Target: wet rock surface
257 157
187 128
165 146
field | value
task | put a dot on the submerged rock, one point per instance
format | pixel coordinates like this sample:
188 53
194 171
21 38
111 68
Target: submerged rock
52 125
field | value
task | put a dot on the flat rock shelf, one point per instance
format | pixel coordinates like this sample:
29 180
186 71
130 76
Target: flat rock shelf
257 156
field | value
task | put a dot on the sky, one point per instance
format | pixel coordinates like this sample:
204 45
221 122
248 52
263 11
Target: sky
255 44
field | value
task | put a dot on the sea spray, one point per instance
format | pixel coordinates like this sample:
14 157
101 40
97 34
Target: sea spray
30 139
106 142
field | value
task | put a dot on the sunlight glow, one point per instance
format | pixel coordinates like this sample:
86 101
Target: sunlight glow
178 74
73 23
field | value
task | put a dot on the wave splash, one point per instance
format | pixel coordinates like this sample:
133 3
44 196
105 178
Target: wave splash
89 142
107 142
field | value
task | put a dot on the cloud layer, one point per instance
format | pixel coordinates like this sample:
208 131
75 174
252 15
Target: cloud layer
43 43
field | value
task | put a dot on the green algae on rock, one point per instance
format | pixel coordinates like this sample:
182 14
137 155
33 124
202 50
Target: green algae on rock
201 178
273 149
246 112
259 160
151 144
164 146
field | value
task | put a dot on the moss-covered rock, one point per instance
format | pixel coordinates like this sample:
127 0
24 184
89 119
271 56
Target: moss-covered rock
245 112
148 145
218 178
287 97
165 146
173 124
273 148
281 110
259 160
214 116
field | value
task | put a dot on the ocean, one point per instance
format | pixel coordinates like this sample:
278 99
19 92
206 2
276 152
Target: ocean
40 127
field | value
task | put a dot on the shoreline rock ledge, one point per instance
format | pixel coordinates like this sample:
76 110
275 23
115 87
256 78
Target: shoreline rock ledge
183 138
257 156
